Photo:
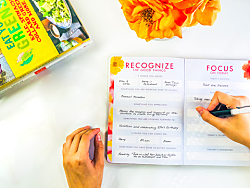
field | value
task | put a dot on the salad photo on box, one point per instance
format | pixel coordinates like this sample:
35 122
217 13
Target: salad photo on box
60 22
56 11
6 73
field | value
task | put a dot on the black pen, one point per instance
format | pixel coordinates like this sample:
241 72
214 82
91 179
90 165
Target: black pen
231 112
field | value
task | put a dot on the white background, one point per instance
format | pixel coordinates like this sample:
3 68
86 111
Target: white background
36 116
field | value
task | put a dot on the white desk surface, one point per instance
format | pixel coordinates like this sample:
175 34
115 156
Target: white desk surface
36 116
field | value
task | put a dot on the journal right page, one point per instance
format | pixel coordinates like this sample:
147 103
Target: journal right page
203 143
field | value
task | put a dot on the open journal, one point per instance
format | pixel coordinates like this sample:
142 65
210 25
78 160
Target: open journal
152 116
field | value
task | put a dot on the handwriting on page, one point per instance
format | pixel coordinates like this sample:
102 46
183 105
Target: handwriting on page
150 83
127 82
153 155
216 85
148 126
168 83
151 113
199 98
150 141
155 82
147 155
146 96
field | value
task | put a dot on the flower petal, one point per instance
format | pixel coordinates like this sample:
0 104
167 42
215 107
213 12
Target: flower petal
143 30
176 1
138 9
168 33
185 4
134 26
207 17
195 7
157 34
156 16
179 17
165 22
178 32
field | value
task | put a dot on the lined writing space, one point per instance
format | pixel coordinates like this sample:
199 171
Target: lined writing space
150 82
218 85
210 156
201 128
206 99
171 141
192 113
125 139
149 97
146 140
211 142
147 155
148 126
152 112
199 98
127 82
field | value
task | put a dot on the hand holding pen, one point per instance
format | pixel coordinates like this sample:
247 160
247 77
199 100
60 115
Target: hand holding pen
236 127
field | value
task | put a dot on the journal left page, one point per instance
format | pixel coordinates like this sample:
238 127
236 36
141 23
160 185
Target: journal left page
146 110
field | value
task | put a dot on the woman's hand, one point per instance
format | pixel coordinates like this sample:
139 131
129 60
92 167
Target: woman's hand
237 127
81 172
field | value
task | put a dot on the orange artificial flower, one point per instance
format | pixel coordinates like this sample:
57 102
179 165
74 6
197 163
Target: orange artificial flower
152 18
207 13
165 18
246 69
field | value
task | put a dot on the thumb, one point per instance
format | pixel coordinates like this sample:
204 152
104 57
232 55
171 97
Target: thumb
219 123
99 152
